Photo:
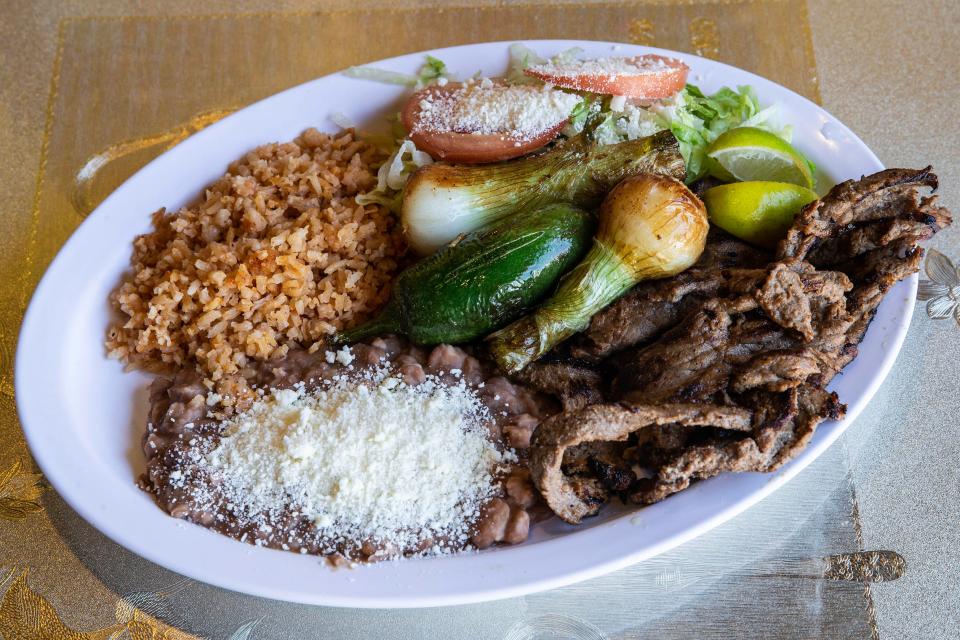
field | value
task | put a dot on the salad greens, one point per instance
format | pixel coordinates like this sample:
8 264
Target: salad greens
580 114
523 57
430 73
695 118
404 157
393 174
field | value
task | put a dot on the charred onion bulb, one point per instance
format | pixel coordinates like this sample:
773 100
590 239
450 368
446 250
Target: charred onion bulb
651 226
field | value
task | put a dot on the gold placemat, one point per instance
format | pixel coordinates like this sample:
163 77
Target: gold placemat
123 90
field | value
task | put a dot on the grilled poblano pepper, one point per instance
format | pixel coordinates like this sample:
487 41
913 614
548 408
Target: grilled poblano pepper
483 280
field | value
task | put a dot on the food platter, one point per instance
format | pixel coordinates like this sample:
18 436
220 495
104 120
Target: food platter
83 415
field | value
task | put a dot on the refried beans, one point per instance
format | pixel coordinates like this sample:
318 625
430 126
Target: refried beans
189 429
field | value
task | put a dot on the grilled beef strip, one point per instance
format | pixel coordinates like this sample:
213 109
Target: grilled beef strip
576 383
886 196
764 341
787 424
574 498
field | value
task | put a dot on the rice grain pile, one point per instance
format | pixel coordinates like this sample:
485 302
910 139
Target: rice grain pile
276 253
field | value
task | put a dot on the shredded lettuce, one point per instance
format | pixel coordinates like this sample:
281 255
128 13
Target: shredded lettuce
581 111
697 120
433 71
386 138
628 124
342 120
567 55
522 57
381 75
393 175
404 157
694 118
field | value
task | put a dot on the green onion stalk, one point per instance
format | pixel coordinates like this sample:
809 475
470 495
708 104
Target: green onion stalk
442 202
651 226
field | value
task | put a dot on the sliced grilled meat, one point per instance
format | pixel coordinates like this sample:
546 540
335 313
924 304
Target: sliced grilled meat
574 383
606 423
758 342
851 205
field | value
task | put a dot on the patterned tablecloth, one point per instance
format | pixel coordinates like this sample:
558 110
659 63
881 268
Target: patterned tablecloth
862 544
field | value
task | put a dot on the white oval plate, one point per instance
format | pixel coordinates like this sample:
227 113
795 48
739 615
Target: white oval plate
83 416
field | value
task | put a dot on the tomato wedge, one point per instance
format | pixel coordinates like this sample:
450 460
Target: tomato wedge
434 136
648 77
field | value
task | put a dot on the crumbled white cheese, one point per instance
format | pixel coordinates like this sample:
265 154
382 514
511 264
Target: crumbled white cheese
364 458
344 356
518 112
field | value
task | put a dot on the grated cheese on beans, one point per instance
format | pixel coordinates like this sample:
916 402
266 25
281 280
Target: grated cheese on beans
365 459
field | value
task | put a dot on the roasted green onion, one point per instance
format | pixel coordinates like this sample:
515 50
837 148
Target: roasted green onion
651 226
441 202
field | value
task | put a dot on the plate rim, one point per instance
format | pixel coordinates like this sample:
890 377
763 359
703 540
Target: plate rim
44 459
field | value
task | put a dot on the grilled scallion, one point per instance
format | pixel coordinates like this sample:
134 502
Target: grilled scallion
441 202
651 226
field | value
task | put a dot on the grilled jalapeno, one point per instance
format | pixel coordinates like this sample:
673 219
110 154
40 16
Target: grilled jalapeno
483 280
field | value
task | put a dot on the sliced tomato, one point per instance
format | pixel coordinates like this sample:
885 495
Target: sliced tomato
467 148
648 77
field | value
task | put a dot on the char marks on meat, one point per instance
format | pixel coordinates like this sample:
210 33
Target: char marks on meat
725 367
574 497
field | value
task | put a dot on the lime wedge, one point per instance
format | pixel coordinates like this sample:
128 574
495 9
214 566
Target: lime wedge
747 153
759 212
